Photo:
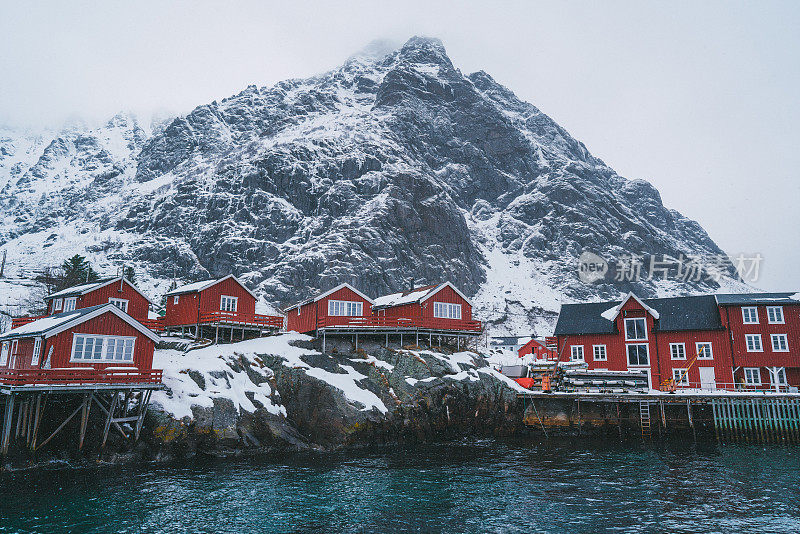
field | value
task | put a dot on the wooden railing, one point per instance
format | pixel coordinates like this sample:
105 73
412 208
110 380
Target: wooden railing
242 319
398 322
16 322
156 325
78 376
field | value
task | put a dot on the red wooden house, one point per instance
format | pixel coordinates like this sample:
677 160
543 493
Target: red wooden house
538 349
118 291
435 307
341 306
96 344
764 337
225 302
659 336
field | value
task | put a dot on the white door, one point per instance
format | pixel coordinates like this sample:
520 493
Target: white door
707 379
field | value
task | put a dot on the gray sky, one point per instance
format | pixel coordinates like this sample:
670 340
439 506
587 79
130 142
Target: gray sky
701 99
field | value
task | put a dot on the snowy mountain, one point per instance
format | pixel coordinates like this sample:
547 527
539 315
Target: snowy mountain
391 168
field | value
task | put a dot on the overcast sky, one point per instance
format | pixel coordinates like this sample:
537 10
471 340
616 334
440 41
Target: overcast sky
701 99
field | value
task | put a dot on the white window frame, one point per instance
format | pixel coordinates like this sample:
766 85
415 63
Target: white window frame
746 317
779 372
749 372
576 353
647 353
785 338
4 353
699 344
57 304
603 349
175 299
37 349
678 372
12 357
223 299
116 302
673 346
447 310
770 310
633 319
748 337
72 302
105 342
345 308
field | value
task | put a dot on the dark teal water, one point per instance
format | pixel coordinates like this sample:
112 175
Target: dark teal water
478 487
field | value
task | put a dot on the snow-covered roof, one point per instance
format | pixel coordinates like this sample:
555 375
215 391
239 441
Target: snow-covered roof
330 292
733 299
611 313
419 294
86 288
52 325
196 287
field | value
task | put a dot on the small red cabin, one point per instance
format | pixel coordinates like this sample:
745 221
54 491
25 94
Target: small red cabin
439 306
342 305
216 302
97 344
117 291
538 349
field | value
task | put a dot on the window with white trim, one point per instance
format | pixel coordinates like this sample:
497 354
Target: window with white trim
636 329
37 348
4 353
69 304
57 303
122 304
638 354
780 377
680 376
775 314
345 308
228 303
704 350
599 353
753 342
12 361
94 348
175 299
677 351
752 376
750 315
445 310
779 343
576 353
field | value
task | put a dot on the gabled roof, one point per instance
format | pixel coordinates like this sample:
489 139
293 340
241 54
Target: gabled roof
52 325
612 313
87 288
330 292
675 314
734 299
196 287
416 295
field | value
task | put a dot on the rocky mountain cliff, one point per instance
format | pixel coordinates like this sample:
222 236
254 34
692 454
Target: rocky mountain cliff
391 168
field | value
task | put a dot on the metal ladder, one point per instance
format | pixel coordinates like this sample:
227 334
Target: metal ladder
644 417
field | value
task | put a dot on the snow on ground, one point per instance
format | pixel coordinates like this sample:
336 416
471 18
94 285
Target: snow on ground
214 364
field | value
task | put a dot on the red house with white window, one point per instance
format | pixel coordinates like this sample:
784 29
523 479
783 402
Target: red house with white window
225 302
439 306
764 337
538 349
95 344
725 341
117 291
659 336
341 306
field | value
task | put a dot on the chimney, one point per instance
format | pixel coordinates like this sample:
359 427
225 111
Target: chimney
411 285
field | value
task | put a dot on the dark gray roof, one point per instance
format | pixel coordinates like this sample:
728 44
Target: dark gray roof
736 299
45 324
675 314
